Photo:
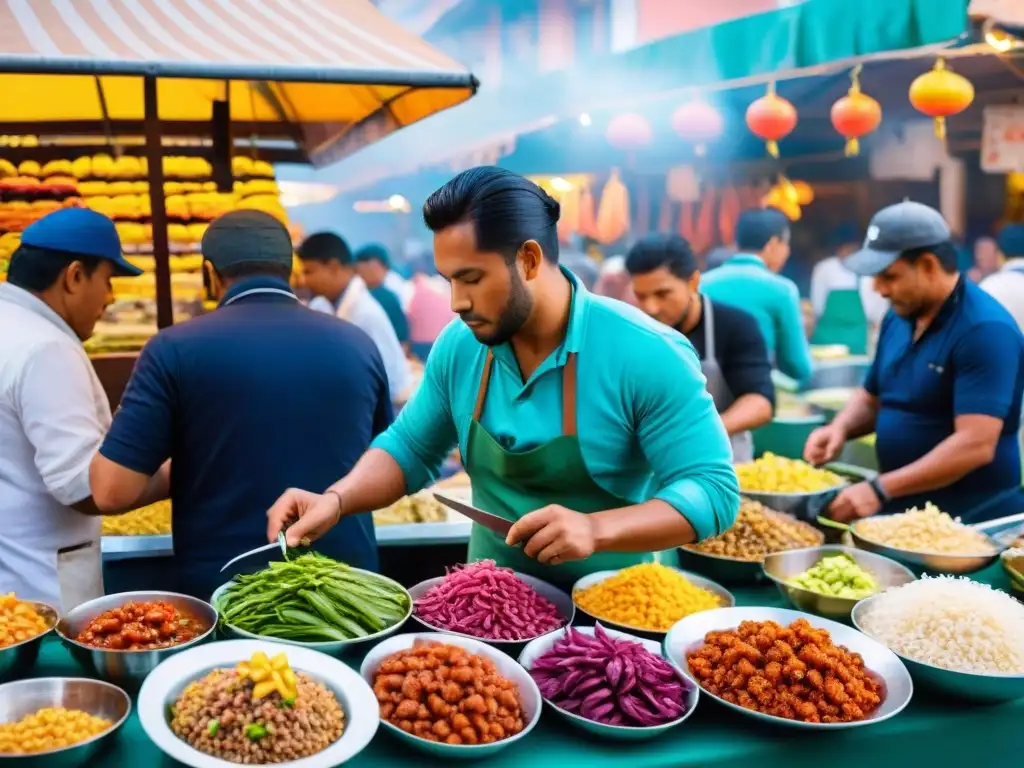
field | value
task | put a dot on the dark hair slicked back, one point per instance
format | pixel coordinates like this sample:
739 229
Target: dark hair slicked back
655 251
506 210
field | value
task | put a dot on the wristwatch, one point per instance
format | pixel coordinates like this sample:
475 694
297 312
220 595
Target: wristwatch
876 486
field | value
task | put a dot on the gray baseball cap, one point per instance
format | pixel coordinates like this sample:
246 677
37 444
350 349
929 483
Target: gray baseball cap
892 231
249 238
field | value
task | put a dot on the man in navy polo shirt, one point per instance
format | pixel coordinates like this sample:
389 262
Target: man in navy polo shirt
258 396
944 391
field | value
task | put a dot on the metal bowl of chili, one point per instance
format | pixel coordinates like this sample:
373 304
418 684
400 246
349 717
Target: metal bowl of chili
122 637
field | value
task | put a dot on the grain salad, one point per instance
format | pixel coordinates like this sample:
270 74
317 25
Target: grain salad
259 713
928 531
950 622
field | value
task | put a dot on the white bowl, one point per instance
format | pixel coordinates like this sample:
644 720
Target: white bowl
165 684
698 581
542 645
509 668
331 647
688 635
550 592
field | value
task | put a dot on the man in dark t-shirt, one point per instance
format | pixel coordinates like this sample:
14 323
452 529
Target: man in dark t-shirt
732 350
258 396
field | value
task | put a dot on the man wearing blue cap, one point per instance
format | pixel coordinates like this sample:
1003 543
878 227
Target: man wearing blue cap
944 392
750 281
53 410
1007 285
259 395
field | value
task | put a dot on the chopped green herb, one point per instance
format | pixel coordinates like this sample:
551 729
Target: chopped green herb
213 727
255 731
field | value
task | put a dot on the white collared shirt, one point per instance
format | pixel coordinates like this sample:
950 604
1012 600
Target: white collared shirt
1007 287
358 307
53 415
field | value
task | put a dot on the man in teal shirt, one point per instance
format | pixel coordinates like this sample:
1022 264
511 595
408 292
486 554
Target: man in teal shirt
579 419
384 295
749 280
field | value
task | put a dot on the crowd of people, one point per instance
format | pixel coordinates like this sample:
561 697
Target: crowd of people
605 432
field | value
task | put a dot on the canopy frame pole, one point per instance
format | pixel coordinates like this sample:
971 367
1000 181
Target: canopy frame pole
161 245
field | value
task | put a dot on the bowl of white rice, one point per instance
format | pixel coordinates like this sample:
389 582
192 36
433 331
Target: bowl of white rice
956 636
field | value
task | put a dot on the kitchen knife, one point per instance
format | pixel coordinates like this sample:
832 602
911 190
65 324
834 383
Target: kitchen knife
499 525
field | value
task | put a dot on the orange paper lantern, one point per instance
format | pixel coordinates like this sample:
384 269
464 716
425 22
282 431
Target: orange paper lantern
855 115
771 118
941 93
699 122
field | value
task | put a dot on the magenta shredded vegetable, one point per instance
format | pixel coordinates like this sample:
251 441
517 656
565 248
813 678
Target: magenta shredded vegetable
483 600
610 681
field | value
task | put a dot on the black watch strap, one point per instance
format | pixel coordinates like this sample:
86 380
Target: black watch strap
876 486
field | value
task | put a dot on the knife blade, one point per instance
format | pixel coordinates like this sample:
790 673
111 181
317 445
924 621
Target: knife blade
499 525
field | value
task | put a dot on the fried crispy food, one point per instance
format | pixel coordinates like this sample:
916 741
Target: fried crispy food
793 672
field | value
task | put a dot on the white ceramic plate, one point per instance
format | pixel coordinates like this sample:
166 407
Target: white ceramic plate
688 635
164 685
507 667
542 645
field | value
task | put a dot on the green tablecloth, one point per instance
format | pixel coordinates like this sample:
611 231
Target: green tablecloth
930 732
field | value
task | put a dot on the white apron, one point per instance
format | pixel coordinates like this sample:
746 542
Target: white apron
742 443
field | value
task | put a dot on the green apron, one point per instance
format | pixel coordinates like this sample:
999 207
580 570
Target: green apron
514 484
843 322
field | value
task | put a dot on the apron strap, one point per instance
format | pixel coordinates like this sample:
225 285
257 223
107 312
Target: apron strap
569 396
485 379
709 330
568 392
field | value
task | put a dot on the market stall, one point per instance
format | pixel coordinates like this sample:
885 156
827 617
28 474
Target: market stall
167 87
926 721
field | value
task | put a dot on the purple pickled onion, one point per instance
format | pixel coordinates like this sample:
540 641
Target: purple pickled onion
610 681
483 600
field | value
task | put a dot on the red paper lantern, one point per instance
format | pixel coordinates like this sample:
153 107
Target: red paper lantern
855 115
629 131
771 118
699 122
941 93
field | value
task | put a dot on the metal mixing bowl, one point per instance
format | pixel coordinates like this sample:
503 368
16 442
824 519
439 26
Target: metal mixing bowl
92 696
966 686
781 566
933 562
688 635
18 659
725 570
331 647
129 668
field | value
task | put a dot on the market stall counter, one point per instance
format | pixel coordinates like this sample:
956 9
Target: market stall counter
931 731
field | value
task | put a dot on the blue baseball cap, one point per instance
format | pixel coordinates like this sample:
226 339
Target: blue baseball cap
893 230
374 252
80 232
1011 241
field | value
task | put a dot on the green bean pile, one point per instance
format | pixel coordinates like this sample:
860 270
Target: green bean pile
312 599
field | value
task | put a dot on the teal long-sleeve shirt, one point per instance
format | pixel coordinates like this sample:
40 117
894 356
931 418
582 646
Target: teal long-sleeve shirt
745 281
646 425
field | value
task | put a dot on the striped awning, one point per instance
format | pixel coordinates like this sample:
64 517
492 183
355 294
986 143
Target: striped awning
337 74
